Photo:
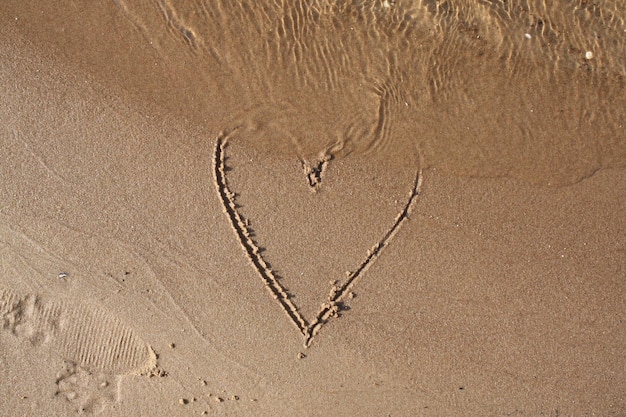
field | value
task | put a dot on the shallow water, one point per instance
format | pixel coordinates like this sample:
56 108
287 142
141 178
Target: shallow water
493 291
529 89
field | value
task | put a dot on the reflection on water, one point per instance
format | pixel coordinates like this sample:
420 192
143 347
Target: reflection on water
526 88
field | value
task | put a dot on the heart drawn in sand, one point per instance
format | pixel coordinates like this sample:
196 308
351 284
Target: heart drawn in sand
332 305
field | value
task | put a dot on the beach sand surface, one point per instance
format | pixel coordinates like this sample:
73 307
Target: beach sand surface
405 208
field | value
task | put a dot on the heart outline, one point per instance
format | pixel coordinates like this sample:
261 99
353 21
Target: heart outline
239 224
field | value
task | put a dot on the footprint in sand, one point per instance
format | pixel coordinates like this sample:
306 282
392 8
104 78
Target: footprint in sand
96 347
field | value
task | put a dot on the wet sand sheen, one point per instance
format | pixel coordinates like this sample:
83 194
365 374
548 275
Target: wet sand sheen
496 296
480 89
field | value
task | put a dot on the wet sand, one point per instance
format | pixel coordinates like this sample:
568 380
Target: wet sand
376 208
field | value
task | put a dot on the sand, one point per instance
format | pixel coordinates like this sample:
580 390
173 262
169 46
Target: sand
405 208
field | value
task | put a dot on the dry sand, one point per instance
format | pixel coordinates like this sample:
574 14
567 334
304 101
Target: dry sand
406 208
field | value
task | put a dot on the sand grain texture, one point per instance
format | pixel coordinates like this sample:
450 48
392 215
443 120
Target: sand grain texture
440 184
339 290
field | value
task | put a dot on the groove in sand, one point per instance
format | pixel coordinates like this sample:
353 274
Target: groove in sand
332 305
